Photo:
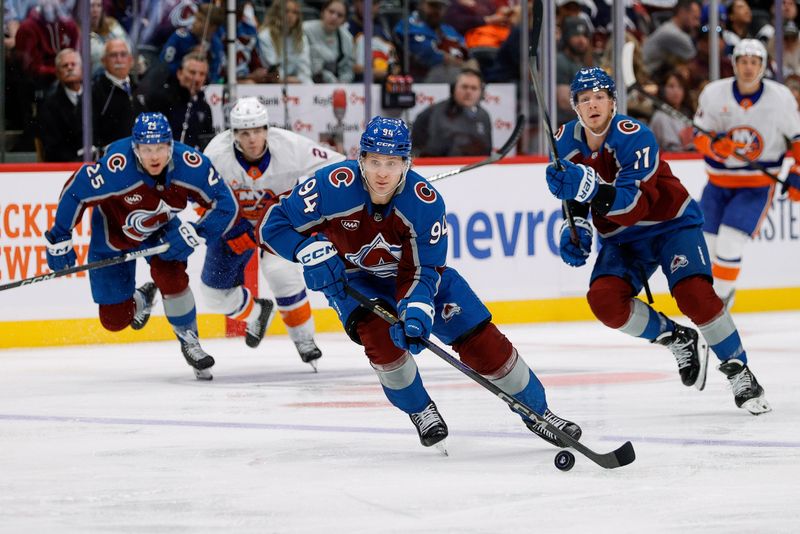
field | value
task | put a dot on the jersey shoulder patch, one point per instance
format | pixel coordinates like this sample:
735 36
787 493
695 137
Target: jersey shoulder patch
425 192
341 176
628 127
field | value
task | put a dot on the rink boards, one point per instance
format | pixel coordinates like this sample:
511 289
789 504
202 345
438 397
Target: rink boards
503 229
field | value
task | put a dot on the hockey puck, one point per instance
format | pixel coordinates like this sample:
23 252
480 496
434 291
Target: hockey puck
565 460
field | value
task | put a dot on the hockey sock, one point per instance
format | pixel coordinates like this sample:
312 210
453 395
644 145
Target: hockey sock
521 383
645 322
402 385
180 309
723 338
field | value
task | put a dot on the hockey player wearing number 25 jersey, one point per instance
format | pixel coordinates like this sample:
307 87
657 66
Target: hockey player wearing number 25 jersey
646 220
137 190
380 228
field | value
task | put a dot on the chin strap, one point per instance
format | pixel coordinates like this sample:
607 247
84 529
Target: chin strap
605 130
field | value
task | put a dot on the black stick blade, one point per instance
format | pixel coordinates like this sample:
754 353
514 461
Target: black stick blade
625 454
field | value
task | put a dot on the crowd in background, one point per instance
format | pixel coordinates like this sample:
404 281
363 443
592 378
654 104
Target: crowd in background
161 57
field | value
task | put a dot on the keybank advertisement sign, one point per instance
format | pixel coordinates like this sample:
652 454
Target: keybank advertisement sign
503 226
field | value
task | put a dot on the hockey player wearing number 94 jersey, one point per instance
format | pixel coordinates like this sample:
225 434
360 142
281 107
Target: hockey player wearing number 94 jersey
259 162
137 190
646 220
380 228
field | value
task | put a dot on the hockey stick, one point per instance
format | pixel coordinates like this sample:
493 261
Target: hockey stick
629 78
533 70
496 156
89 266
610 460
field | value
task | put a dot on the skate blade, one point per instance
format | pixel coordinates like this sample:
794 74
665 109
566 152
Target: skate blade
442 447
757 406
203 374
700 383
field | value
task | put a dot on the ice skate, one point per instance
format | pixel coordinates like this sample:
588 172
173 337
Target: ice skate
148 292
747 392
562 424
196 357
255 330
309 352
431 427
691 353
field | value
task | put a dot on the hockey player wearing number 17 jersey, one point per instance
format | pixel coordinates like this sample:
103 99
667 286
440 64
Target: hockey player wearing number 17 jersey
260 162
757 119
380 228
137 190
646 220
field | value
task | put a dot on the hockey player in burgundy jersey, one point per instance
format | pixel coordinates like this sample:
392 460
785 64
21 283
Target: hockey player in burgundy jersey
380 227
136 191
646 219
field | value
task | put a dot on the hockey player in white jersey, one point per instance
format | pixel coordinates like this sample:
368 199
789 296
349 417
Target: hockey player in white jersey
260 162
757 119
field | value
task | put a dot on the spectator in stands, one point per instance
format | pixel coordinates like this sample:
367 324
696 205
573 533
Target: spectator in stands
104 28
331 45
182 101
249 67
203 37
574 53
791 49
788 12
297 58
485 25
438 51
674 135
10 25
458 126
793 83
60 128
673 41
699 67
40 37
113 104
383 50
738 26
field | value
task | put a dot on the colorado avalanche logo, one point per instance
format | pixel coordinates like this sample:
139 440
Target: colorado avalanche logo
678 261
116 162
628 127
379 257
341 175
192 159
751 141
450 310
140 224
425 193
559 133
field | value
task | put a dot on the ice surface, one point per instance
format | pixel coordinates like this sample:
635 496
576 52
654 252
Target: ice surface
124 439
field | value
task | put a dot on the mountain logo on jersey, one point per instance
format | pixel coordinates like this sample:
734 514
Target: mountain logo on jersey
450 310
351 224
750 140
378 257
140 224
678 261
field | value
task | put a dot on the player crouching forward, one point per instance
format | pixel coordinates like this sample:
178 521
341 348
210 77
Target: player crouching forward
136 190
379 227
646 219
259 162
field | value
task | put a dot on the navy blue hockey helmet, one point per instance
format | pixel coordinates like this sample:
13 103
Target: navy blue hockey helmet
592 79
151 128
386 136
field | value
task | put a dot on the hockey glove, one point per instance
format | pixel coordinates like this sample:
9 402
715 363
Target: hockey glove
182 238
792 184
60 254
416 323
323 269
577 182
241 237
575 256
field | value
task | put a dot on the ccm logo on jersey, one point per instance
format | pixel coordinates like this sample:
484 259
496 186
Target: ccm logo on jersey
628 127
116 162
678 261
341 175
425 193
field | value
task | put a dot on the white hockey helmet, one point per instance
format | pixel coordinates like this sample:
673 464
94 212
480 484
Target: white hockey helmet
249 112
750 47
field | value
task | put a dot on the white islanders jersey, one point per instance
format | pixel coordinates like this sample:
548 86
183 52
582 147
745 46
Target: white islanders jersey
292 157
766 124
